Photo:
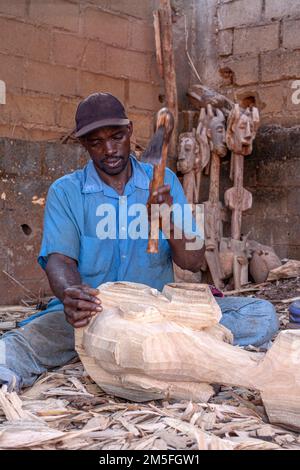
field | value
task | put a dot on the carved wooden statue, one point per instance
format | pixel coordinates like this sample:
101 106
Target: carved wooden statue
188 164
147 345
215 125
241 131
193 157
234 256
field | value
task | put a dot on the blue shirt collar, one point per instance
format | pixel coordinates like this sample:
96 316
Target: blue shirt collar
94 184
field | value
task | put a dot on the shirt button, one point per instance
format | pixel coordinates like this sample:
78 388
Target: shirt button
123 256
123 228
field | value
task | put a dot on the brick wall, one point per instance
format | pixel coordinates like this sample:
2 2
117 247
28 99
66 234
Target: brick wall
259 41
55 52
251 48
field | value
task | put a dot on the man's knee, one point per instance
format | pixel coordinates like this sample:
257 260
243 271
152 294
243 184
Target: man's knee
268 312
252 321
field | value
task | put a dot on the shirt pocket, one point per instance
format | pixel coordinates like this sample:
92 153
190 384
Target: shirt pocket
155 260
96 256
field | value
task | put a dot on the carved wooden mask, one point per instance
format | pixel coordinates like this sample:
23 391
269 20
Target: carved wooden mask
241 129
188 152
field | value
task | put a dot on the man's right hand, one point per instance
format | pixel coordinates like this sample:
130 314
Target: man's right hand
81 304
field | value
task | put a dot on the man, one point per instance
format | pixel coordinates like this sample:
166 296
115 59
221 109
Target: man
77 255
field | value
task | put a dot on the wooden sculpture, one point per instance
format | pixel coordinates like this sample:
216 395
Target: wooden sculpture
202 139
263 259
193 157
188 164
164 43
147 345
241 130
234 259
215 125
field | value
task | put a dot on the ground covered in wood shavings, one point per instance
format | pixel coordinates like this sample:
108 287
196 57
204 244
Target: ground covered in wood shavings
66 410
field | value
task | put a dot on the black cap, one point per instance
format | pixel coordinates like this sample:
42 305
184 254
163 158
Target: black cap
99 110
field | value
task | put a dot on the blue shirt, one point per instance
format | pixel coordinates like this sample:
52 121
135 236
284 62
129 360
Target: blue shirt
70 226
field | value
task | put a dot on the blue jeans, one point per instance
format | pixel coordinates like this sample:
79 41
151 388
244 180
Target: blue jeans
48 340
251 321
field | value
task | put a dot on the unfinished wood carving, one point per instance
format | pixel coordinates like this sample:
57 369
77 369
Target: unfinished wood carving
234 258
215 126
146 345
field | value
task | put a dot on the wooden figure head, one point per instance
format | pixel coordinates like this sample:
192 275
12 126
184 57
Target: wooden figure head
216 130
188 152
241 129
202 139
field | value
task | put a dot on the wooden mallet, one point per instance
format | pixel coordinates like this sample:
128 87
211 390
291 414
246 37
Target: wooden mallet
157 153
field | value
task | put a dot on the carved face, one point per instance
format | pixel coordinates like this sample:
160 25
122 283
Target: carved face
242 127
216 135
188 151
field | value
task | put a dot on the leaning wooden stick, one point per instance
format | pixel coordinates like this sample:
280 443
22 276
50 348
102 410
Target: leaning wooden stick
169 71
157 154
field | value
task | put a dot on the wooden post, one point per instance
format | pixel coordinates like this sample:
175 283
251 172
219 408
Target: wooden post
165 16
158 48
212 210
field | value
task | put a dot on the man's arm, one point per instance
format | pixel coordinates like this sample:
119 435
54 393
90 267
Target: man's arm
192 260
79 300
185 259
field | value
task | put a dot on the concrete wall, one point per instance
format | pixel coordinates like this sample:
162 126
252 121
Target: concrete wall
251 49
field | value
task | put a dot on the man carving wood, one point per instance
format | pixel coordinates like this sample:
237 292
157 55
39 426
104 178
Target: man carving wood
83 249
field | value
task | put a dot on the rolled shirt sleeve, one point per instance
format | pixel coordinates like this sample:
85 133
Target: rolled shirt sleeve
61 232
